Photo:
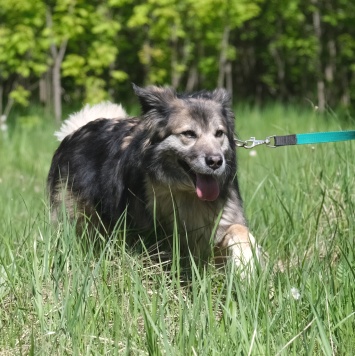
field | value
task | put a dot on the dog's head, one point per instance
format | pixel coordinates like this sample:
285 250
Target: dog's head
191 139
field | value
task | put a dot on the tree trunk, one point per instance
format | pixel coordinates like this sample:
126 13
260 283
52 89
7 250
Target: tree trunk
330 68
45 89
280 65
175 77
56 79
1 98
345 97
192 79
58 56
57 95
229 79
147 59
42 90
5 109
223 58
320 80
179 59
333 89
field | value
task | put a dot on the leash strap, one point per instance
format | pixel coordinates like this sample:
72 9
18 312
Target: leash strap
312 138
298 139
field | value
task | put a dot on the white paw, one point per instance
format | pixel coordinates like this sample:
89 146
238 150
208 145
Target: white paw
245 251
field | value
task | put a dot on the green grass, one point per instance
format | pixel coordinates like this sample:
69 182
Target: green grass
57 297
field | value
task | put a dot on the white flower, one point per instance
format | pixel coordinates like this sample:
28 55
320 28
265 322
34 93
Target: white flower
253 153
295 293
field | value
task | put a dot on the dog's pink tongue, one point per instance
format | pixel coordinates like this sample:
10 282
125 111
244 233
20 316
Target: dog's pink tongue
206 187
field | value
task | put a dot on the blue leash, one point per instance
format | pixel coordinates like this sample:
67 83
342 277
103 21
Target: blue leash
298 139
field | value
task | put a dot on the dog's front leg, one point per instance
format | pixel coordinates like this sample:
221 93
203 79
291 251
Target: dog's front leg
237 242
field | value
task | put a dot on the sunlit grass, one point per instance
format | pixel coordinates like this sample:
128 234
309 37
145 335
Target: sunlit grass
58 297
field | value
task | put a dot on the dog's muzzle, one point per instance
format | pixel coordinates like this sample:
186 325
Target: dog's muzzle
206 185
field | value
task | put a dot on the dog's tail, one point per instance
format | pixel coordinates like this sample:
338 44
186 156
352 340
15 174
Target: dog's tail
89 113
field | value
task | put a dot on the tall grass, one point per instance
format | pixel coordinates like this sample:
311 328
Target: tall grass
57 297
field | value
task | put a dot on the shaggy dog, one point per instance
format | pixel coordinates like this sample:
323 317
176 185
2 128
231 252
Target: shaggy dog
174 166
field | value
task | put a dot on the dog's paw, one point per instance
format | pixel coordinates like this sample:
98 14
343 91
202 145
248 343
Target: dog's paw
240 245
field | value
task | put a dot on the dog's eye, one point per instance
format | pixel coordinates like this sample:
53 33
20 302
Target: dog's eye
189 134
219 133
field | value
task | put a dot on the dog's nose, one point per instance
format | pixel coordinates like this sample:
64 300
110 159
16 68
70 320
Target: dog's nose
214 161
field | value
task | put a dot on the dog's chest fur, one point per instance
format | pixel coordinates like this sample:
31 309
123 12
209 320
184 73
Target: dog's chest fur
194 219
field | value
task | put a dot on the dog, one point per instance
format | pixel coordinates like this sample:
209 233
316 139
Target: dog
174 166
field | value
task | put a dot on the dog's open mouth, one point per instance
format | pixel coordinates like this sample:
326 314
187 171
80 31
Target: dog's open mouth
206 185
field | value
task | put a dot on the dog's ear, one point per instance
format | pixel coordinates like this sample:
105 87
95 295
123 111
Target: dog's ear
153 97
222 96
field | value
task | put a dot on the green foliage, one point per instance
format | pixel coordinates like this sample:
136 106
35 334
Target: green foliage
95 90
72 66
22 43
181 34
259 49
20 95
90 27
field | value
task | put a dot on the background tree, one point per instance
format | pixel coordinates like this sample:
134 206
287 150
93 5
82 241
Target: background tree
88 51
82 46
22 51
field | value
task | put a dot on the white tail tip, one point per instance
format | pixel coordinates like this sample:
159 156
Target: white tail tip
89 113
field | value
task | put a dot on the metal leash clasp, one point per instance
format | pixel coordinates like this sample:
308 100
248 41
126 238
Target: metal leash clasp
252 142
